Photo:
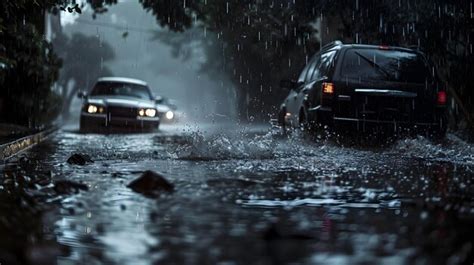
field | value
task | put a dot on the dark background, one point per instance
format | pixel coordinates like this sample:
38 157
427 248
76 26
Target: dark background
249 45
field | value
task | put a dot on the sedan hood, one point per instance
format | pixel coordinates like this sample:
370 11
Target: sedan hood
121 102
162 108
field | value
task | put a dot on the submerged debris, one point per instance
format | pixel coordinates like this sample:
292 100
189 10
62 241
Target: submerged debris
150 184
67 186
79 159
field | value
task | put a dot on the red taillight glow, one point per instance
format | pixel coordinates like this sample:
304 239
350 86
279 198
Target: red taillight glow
441 99
328 88
384 47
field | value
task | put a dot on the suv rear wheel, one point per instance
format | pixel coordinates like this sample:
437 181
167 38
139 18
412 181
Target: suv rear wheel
439 132
281 119
306 124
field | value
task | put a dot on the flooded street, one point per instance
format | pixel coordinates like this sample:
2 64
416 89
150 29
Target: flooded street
248 195
236 132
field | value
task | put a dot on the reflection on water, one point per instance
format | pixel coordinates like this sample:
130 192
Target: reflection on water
318 202
249 196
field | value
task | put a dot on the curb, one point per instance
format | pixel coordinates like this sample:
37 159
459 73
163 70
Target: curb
14 147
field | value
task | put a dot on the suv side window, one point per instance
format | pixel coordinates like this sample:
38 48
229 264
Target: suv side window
314 66
303 76
327 62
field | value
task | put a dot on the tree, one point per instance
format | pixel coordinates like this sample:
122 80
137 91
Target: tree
30 66
84 58
259 42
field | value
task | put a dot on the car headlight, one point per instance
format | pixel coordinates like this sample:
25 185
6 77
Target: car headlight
94 109
150 112
147 112
169 115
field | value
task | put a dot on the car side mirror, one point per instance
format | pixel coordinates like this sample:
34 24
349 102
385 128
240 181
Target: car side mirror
159 99
82 94
287 84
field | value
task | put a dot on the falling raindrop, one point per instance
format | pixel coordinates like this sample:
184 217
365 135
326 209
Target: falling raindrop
381 23
472 13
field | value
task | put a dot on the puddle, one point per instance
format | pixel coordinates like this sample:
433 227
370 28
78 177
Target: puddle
292 200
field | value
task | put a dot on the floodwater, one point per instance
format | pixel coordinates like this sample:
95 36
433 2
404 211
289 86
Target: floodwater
247 195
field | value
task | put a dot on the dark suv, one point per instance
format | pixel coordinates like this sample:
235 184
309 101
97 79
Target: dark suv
363 87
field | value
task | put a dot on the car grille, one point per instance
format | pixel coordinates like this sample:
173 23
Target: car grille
122 112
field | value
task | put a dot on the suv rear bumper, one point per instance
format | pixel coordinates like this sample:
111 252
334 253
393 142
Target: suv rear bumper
383 122
325 116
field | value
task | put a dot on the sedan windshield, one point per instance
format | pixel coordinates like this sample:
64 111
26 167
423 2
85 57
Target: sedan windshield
385 65
121 89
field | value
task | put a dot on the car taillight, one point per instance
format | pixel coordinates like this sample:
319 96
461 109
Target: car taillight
441 99
328 88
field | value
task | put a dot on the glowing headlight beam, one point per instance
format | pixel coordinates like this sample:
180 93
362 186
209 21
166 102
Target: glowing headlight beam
150 112
169 115
147 112
92 109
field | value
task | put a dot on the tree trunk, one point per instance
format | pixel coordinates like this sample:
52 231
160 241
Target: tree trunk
68 96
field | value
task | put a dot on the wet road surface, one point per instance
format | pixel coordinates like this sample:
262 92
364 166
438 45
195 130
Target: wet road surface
247 195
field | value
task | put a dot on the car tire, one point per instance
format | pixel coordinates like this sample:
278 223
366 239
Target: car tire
439 132
307 124
82 125
303 121
281 120
85 126
149 128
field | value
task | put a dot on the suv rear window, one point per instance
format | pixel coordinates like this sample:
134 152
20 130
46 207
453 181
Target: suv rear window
385 65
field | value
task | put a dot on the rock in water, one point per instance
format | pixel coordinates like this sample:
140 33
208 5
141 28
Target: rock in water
79 159
150 184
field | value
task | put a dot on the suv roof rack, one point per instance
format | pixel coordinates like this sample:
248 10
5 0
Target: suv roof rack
332 44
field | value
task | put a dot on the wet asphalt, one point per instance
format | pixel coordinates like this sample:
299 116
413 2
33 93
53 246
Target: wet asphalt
244 194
